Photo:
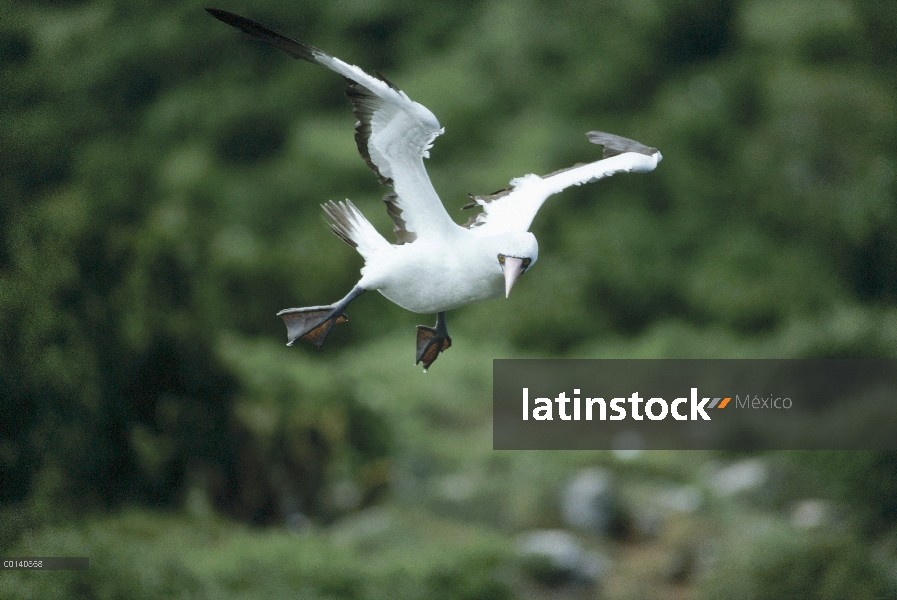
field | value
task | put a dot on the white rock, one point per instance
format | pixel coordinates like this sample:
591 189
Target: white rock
739 477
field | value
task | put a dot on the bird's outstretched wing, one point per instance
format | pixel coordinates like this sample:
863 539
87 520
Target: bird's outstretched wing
514 208
393 133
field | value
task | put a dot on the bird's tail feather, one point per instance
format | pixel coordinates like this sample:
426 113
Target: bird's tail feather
352 227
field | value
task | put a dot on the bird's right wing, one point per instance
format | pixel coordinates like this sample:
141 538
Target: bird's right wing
393 133
514 208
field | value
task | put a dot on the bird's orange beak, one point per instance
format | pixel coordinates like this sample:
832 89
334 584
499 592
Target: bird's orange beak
513 268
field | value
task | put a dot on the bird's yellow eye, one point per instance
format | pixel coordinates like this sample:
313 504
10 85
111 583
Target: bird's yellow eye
501 258
526 262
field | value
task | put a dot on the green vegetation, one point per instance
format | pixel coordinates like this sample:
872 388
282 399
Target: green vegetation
160 178
139 555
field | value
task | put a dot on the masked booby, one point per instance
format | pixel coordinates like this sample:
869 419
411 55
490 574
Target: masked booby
435 265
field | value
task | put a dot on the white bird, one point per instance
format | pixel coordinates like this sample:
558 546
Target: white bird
436 265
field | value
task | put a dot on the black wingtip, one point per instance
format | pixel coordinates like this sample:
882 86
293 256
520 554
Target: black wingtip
242 23
222 15
616 144
263 33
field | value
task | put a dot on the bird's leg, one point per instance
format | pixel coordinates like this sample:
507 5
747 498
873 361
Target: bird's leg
430 341
314 323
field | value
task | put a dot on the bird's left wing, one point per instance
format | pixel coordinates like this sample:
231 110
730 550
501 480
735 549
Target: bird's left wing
514 208
393 133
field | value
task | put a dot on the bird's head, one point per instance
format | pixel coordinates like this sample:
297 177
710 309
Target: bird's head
517 252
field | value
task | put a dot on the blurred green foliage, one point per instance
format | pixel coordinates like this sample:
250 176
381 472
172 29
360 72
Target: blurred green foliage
138 556
866 481
789 564
160 177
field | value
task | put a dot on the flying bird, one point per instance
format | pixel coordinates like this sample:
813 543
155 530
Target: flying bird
435 265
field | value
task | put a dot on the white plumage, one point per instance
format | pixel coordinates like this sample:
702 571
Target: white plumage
436 265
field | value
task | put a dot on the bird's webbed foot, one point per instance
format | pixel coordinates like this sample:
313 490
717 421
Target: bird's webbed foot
432 341
312 324
315 322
